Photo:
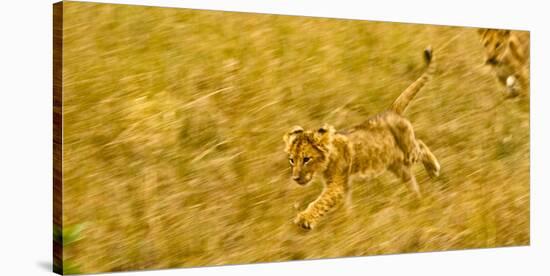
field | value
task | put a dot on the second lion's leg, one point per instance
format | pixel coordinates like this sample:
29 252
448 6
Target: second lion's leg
523 81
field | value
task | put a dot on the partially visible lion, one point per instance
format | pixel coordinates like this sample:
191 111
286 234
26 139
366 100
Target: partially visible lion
383 142
508 54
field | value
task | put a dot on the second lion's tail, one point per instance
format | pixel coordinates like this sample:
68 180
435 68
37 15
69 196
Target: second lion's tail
401 103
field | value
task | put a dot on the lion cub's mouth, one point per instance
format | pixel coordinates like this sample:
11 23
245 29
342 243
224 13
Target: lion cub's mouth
303 181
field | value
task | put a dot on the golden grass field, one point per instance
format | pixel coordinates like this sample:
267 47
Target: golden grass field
173 124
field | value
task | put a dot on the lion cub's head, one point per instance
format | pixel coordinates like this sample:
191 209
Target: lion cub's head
308 151
495 43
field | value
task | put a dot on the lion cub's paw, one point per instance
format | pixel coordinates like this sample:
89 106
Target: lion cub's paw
512 86
432 166
304 221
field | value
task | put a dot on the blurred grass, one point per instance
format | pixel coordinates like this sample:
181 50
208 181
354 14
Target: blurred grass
173 121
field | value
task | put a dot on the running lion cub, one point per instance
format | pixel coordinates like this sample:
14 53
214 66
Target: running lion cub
507 53
385 141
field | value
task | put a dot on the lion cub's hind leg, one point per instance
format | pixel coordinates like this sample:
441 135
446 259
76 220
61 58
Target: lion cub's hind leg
405 173
404 136
428 159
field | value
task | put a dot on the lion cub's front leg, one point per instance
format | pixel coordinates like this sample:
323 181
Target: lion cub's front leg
331 197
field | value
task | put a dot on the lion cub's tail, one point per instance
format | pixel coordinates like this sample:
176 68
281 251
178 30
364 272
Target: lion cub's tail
401 103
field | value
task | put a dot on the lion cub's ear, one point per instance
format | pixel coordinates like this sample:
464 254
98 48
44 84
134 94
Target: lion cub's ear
323 136
291 135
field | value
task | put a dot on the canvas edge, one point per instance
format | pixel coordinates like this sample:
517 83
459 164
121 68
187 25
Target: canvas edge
57 117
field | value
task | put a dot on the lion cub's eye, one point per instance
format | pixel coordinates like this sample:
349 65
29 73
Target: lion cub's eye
497 45
291 161
306 159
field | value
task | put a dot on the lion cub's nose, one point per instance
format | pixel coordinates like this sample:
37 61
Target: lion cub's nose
492 61
295 177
